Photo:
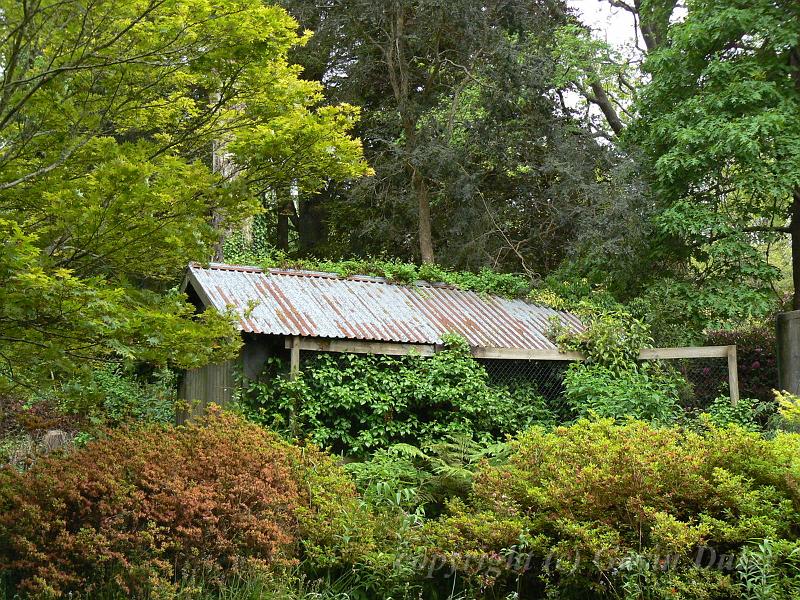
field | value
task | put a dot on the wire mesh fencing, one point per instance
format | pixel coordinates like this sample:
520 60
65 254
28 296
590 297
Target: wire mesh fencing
706 379
705 372
546 376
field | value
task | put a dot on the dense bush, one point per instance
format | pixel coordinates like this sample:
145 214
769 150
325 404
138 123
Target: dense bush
746 413
141 509
114 395
648 391
612 382
596 508
354 404
417 479
593 510
611 337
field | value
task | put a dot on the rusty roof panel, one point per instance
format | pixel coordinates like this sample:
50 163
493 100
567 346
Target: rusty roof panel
313 304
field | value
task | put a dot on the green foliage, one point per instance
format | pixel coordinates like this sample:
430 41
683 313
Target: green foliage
587 61
612 382
486 281
648 392
472 127
612 338
551 514
746 413
626 504
391 478
788 409
358 403
114 397
717 122
768 570
409 478
250 585
54 323
641 578
108 114
567 290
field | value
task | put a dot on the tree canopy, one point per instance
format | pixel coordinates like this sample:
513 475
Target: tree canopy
119 125
719 123
478 161
506 135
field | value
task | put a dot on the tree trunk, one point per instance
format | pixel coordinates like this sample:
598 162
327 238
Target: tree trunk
424 206
794 63
282 233
601 99
218 249
311 228
399 67
795 233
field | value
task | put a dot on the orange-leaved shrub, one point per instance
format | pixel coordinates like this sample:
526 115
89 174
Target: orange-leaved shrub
144 508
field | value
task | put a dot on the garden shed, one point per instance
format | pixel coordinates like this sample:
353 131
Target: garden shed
285 313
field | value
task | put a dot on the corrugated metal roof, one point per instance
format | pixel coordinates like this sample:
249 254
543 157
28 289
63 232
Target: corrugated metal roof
313 304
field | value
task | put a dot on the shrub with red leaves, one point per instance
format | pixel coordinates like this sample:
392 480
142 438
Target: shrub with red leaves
143 508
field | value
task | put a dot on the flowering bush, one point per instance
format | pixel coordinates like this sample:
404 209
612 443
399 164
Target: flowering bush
140 509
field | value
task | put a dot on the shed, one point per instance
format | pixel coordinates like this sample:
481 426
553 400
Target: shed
283 312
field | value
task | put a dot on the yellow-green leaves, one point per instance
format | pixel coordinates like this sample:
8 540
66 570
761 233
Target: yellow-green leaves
109 114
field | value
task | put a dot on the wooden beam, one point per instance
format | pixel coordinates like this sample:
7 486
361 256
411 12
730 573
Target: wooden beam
362 346
525 354
687 352
733 375
297 343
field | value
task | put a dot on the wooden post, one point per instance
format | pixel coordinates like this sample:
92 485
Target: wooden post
294 361
294 371
733 375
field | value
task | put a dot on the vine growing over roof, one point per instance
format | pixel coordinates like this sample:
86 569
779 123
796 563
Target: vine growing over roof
485 281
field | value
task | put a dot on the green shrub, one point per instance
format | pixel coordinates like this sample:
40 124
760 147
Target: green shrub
612 382
355 404
411 478
747 412
770 570
611 337
623 505
392 478
114 395
140 509
646 391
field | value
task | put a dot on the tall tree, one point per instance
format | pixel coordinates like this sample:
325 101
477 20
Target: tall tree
108 115
605 76
477 163
719 121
